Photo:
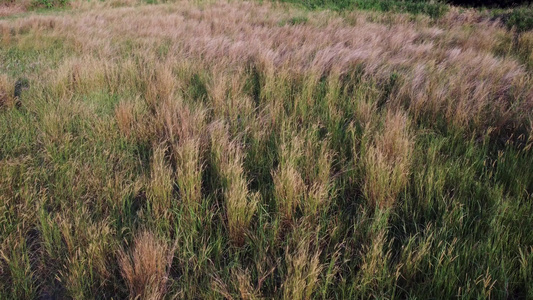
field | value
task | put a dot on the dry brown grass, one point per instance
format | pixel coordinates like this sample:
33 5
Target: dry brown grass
11 7
8 10
450 72
289 186
304 268
303 178
241 204
125 116
161 184
145 266
5 92
387 162
182 127
247 292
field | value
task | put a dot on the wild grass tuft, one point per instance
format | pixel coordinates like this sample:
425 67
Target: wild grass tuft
240 203
145 266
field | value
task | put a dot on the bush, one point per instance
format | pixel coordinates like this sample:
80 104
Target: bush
428 7
521 19
490 3
50 3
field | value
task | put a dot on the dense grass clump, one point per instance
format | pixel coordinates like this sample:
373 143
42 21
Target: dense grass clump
224 150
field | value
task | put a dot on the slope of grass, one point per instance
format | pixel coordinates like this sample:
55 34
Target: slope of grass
246 150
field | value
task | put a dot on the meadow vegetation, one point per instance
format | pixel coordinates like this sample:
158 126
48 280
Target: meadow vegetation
246 150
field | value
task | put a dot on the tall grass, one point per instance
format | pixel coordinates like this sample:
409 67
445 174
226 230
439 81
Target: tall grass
225 150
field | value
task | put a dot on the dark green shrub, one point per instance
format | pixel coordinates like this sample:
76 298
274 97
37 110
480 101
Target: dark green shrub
490 3
429 7
50 3
294 21
432 8
521 19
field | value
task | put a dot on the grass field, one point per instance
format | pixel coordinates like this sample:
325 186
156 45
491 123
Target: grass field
249 150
